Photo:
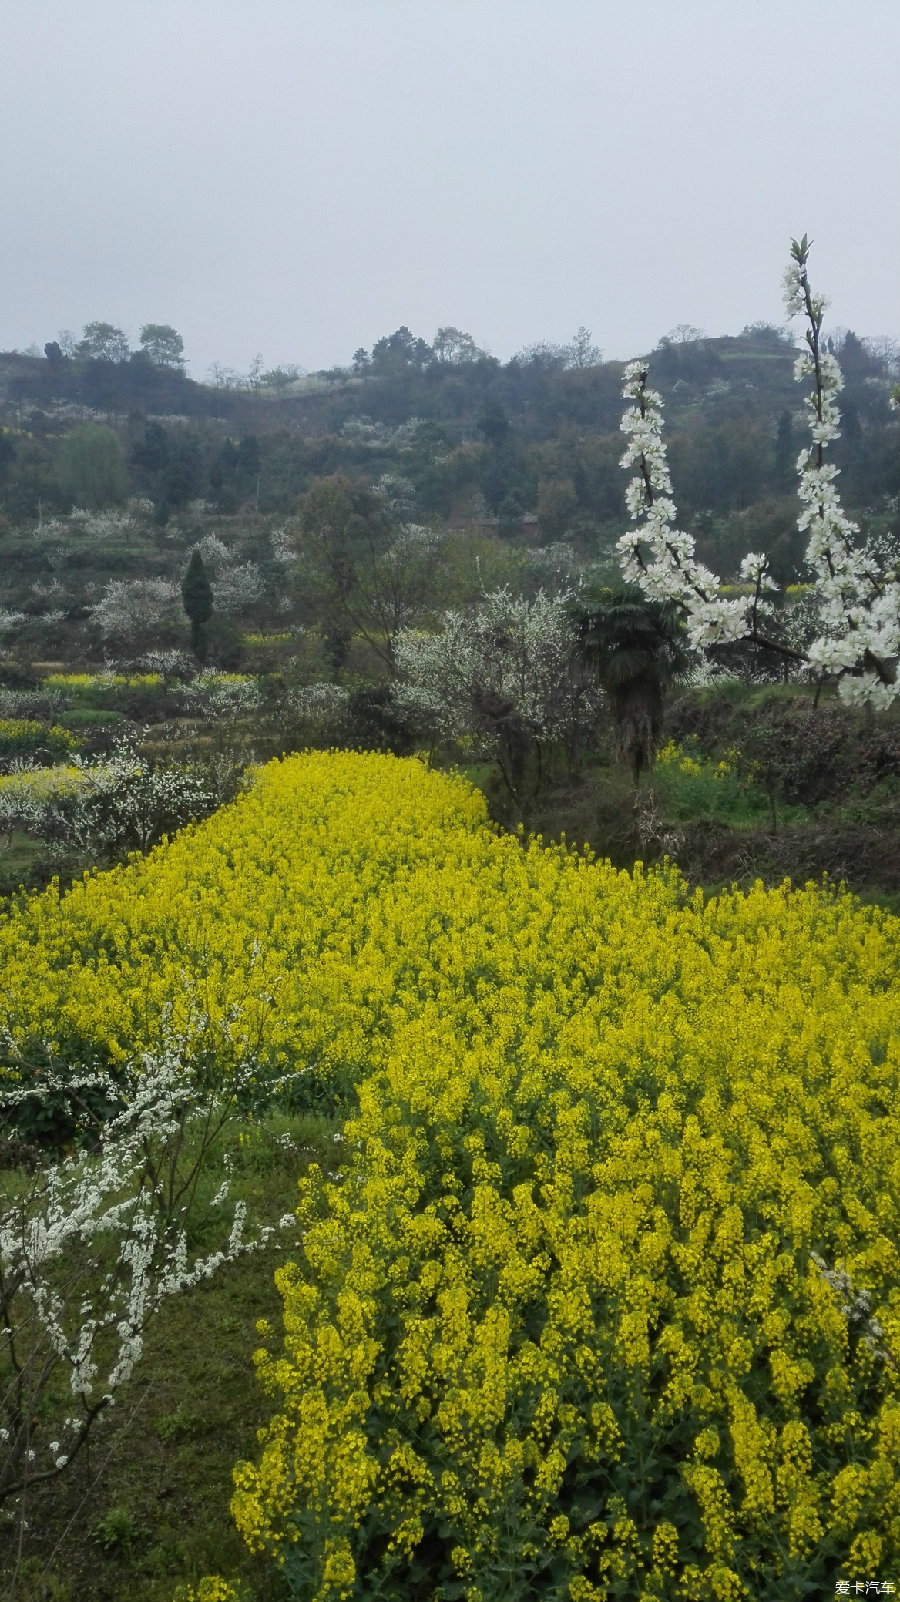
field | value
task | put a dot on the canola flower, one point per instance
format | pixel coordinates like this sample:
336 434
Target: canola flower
41 783
94 681
29 794
674 756
605 1304
694 784
22 735
686 758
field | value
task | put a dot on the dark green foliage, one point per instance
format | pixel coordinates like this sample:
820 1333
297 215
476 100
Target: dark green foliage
785 450
718 466
162 345
168 466
494 424
636 648
92 468
375 721
43 1119
197 598
235 472
248 456
7 456
343 525
152 452
482 423
769 525
398 352
224 643
103 342
557 503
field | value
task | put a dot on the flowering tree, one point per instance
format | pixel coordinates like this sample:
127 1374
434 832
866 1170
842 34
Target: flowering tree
93 1244
858 599
114 804
506 673
136 610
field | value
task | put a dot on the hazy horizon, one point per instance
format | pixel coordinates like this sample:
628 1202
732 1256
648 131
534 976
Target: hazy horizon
299 180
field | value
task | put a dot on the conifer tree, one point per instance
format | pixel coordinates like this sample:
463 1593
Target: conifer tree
197 598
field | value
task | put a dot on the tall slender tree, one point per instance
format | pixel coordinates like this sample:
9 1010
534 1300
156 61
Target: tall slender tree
197 598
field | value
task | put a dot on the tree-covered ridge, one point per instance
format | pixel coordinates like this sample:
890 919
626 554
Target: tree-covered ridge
534 435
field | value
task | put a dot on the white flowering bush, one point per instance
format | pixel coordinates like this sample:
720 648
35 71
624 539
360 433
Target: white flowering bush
857 600
26 794
322 705
506 674
40 702
398 493
218 695
168 662
102 524
283 552
132 607
237 588
105 807
557 564
93 1244
51 528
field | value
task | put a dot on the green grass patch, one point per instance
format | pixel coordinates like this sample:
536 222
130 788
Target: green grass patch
18 852
694 786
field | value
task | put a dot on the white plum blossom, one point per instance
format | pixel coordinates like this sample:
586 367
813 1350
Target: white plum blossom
322 704
505 671
107 805
658 556
857 601
237 588
215 694
129 607
69 1306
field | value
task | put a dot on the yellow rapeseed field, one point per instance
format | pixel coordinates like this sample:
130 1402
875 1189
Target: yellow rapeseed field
605 1303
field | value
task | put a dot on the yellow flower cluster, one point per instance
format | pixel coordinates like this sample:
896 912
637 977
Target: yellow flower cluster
211 1589
42 784
26 733
95 681
247 932
675 760
673 755
563 1317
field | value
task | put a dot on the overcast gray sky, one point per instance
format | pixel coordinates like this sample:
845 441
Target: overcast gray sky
299 177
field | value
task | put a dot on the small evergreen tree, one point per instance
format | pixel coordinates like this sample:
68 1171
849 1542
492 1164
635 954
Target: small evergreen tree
197 597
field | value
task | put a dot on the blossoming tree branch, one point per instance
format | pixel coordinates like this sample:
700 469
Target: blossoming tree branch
858 600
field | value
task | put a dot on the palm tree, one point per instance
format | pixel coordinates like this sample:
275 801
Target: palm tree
636 648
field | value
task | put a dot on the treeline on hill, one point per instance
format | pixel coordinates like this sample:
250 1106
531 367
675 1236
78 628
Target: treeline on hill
91 423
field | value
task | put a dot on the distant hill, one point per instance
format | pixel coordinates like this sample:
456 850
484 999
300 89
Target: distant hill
468 437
